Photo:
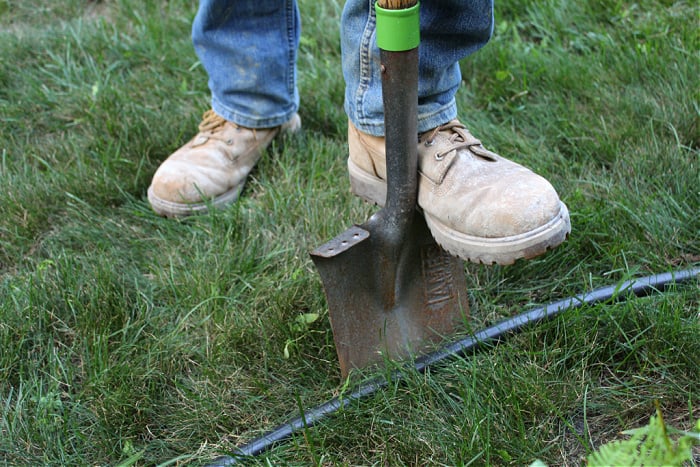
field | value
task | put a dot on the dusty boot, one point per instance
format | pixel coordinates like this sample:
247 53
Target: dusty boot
211 169
478 205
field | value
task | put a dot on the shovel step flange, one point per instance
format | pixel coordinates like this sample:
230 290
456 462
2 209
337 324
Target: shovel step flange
341 243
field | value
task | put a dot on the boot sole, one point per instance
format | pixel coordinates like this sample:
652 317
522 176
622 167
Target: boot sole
480 250
171 209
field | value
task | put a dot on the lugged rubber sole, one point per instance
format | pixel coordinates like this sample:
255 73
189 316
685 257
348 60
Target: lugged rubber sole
502 250
171 209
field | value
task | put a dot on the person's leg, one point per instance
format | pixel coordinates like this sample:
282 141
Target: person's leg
248 49
450 31
478 205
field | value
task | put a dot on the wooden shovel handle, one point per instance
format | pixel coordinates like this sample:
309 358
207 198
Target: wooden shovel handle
396 4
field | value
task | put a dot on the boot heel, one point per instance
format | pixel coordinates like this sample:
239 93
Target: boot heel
367 187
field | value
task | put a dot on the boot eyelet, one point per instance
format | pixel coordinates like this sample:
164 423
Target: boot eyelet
439 157
229 142
429 142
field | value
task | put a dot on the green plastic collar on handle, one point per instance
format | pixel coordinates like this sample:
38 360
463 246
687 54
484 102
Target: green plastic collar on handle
398 30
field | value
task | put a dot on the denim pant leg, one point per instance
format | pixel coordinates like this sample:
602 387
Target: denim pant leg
249 50
450 31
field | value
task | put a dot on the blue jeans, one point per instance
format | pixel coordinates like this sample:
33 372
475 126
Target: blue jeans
249 50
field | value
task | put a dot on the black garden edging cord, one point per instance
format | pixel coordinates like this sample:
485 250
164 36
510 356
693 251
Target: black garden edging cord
638 287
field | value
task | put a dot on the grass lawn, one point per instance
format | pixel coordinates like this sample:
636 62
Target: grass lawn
130 339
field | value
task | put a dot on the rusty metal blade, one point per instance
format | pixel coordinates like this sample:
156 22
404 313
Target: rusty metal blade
430 295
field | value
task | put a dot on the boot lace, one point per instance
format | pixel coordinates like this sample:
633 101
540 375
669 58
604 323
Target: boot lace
212 124
460 138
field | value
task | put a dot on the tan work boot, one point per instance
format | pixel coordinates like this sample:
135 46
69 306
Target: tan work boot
211 169
478 205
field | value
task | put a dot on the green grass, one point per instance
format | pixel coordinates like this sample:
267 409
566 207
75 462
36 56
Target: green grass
125 337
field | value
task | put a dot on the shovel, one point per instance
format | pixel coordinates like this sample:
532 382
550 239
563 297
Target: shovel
391 290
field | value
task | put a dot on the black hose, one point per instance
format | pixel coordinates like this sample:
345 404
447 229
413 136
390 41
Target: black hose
638 287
